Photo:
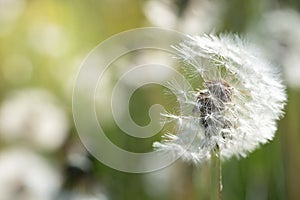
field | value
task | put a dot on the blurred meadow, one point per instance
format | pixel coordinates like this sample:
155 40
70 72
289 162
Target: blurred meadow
42 45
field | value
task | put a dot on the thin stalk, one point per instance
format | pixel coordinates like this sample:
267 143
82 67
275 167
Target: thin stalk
216 185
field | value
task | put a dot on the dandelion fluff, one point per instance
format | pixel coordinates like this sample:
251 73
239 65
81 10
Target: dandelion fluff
239 98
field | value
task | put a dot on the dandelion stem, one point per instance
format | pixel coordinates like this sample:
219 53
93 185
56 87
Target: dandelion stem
216 185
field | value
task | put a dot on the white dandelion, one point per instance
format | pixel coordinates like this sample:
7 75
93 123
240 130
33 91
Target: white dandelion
235 109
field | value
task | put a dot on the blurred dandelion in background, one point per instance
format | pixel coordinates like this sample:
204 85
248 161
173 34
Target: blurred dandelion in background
10 11
278 33
191 16
25 175
48 38
34 117
237 106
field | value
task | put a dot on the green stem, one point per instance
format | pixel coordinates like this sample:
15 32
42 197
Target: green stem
216 185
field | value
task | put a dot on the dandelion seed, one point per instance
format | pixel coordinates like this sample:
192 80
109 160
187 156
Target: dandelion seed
236 109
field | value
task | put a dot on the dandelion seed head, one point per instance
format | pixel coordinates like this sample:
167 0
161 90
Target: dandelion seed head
235 109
